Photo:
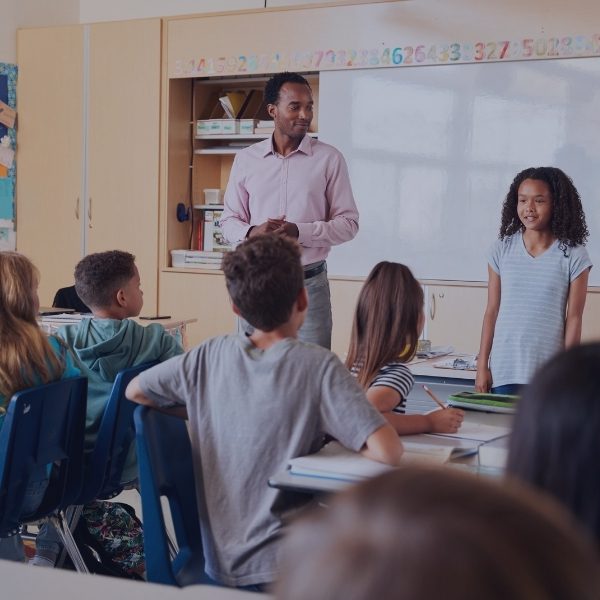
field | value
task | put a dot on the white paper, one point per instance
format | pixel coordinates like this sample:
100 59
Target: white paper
478 432
334 461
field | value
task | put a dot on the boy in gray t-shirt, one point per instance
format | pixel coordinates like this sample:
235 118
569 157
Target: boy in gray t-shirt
254 403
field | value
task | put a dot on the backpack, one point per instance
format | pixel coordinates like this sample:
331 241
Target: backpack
110 538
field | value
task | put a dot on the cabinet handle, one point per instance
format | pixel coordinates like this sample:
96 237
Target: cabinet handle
432 307
90 213
77 208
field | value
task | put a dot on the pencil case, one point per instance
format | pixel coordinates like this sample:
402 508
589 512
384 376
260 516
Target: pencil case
483 401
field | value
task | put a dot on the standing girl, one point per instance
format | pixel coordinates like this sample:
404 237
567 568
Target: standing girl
387 324
538 275
27 358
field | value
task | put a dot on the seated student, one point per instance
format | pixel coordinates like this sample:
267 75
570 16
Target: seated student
387 324
27 358
437 533
256 402
555 442
109 283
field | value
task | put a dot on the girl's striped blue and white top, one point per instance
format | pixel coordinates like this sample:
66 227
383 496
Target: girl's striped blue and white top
530 327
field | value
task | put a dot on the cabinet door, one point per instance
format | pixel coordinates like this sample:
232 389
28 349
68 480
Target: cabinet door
197 296
344 294
590 330
124 135
49 156
454 316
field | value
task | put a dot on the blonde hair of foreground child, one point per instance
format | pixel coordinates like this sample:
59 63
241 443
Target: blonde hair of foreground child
26 357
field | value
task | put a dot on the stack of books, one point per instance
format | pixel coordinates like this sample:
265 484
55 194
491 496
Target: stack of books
265 126
209 235
196 259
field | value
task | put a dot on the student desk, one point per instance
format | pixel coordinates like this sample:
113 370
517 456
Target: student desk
173 326
24 581
318 485
442 382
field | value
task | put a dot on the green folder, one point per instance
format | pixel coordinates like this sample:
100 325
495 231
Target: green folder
480 401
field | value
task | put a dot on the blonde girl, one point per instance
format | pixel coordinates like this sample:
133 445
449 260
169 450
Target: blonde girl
387 324
27 358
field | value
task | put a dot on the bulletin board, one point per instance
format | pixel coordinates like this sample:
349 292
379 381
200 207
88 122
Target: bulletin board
8 95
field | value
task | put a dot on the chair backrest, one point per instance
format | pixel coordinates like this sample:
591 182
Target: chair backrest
166 469
43 429
116 434
67 297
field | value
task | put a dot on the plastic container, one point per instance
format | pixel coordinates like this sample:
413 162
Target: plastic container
212 196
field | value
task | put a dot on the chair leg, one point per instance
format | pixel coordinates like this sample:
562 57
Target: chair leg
65 522
172 545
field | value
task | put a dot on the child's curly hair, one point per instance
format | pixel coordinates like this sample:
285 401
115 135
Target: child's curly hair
568 220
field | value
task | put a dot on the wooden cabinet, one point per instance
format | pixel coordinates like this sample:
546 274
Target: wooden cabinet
200 296
591 317
344 294
123 145
50 153
454 315
88 155
197 161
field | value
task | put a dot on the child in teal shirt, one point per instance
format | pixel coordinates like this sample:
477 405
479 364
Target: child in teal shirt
109 283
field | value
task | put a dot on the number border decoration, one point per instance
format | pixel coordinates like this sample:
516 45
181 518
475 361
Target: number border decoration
570 46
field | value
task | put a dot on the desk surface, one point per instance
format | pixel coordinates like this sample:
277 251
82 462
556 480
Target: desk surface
320 485
425 368
57 320
23 581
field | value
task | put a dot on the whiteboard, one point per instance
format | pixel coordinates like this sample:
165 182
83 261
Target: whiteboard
432 151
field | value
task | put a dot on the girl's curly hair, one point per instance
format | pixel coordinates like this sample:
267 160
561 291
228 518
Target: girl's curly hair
568 220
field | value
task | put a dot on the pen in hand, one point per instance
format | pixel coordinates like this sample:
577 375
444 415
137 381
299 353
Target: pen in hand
434 398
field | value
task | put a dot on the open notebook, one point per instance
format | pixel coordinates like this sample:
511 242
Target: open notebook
334 461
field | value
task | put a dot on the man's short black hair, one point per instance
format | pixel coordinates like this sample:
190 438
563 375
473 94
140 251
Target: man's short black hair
99 276
264 277
274 84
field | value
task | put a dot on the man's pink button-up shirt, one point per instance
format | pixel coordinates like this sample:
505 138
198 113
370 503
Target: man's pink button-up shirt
310 186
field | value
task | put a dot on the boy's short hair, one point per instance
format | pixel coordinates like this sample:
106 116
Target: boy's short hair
264 277
99 276
274 85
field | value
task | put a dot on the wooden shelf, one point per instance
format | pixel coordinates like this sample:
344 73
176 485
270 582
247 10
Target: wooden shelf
233 136
192 270
242 136
220 150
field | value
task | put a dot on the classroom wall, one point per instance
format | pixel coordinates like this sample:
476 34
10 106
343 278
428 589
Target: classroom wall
31 13
92 11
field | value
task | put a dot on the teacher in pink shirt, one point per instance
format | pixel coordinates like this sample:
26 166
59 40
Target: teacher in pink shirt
297 186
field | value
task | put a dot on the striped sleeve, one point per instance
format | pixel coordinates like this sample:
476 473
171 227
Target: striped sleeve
398 377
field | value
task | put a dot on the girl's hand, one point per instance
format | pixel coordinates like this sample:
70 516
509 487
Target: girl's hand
447 420
483 380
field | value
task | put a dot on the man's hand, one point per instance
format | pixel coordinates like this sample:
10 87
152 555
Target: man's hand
288 229
269 226
278 226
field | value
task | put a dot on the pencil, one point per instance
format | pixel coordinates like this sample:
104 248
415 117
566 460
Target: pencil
435 398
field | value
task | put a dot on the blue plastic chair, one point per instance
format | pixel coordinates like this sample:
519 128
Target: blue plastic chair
104 465
43 428
166 469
